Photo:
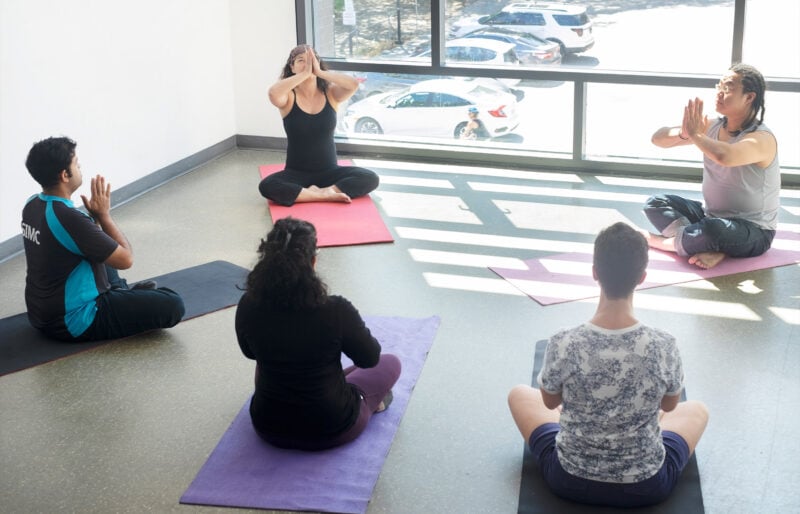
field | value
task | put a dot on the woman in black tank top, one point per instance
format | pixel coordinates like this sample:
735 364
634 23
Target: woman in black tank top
307 96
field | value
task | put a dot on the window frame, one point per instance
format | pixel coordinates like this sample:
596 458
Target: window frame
581 78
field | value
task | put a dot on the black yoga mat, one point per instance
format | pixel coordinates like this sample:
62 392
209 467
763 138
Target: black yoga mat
205 288
536 498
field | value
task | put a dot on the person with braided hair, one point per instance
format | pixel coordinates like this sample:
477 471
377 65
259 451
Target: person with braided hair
297 333
741 177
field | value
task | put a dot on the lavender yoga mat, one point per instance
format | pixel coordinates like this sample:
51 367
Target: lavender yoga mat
244 471
568 277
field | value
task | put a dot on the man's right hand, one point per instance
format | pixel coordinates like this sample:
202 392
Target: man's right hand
99 205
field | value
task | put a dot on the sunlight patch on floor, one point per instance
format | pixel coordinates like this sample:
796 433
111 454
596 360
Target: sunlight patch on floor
694 306
450 209
649 183
471 260
700 285
416 182
467 238
476 284
560 218
469 170
790 316
560 193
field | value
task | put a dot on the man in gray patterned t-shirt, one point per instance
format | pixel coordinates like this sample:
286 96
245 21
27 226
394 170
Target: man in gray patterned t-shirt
606 426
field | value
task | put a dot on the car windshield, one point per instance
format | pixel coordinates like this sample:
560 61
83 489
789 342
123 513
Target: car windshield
392 97
571 20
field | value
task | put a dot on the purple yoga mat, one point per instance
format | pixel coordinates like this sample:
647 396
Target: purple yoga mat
244 471
568 277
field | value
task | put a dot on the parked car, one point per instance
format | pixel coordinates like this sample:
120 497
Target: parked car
433 108
567 25
374 83
483 51
530 49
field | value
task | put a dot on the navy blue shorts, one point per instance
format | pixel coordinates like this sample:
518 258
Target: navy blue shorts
638 494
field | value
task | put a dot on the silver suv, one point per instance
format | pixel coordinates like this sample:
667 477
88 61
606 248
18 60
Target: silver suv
567 25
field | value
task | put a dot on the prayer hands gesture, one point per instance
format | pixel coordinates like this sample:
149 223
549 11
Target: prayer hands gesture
100 203
311 64
694 121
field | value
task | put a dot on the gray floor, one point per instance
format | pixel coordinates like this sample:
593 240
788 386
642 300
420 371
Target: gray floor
125 427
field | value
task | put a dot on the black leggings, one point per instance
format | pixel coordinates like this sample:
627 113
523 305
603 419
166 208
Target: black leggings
284 186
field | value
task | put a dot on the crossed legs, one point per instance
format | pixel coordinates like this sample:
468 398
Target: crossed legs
685 229
688 419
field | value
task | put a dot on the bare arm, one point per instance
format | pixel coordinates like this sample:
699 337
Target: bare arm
668 137
279 93
551 401
755 148
758 147
341 86
99 206
669 403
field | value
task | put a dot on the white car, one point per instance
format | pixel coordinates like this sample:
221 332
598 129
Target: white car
567 25
433 108
480 51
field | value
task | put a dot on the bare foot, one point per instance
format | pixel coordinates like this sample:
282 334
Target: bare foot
706 260
324 194
387 400
659 242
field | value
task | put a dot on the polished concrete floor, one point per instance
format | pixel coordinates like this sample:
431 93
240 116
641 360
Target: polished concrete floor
125 427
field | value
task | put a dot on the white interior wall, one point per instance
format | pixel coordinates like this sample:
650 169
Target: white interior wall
138 85
262 34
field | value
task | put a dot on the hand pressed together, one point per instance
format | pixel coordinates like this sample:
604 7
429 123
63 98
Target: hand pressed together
100 202
694 121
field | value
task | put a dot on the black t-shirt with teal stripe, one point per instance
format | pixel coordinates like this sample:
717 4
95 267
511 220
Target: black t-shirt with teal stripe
65 251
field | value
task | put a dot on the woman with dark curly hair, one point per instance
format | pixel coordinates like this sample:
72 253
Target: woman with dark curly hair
308 96
297 333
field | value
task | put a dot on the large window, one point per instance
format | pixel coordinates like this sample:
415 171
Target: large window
578 85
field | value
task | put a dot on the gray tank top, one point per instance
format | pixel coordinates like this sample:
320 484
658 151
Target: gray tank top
747 192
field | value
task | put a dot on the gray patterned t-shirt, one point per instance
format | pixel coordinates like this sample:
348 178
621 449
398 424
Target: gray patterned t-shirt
612 383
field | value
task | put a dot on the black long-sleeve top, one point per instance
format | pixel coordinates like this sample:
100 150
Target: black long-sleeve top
300 386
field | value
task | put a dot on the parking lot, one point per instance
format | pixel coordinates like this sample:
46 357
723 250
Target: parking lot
643 36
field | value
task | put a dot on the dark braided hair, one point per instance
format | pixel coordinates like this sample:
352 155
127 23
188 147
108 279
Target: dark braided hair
752 82
284 277
322 85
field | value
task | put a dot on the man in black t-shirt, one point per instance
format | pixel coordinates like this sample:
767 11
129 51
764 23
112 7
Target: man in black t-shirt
72 289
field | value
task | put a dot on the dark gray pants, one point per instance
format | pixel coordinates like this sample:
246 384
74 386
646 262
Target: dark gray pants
123 312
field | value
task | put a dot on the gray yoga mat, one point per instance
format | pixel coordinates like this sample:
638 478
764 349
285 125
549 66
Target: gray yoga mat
536 498
204 288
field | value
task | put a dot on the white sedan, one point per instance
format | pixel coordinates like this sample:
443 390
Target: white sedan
433 108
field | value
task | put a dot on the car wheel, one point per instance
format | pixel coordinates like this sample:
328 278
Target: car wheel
459 129
561 46
368 126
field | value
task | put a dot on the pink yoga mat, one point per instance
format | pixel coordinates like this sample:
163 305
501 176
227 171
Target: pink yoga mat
568 277
338 224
